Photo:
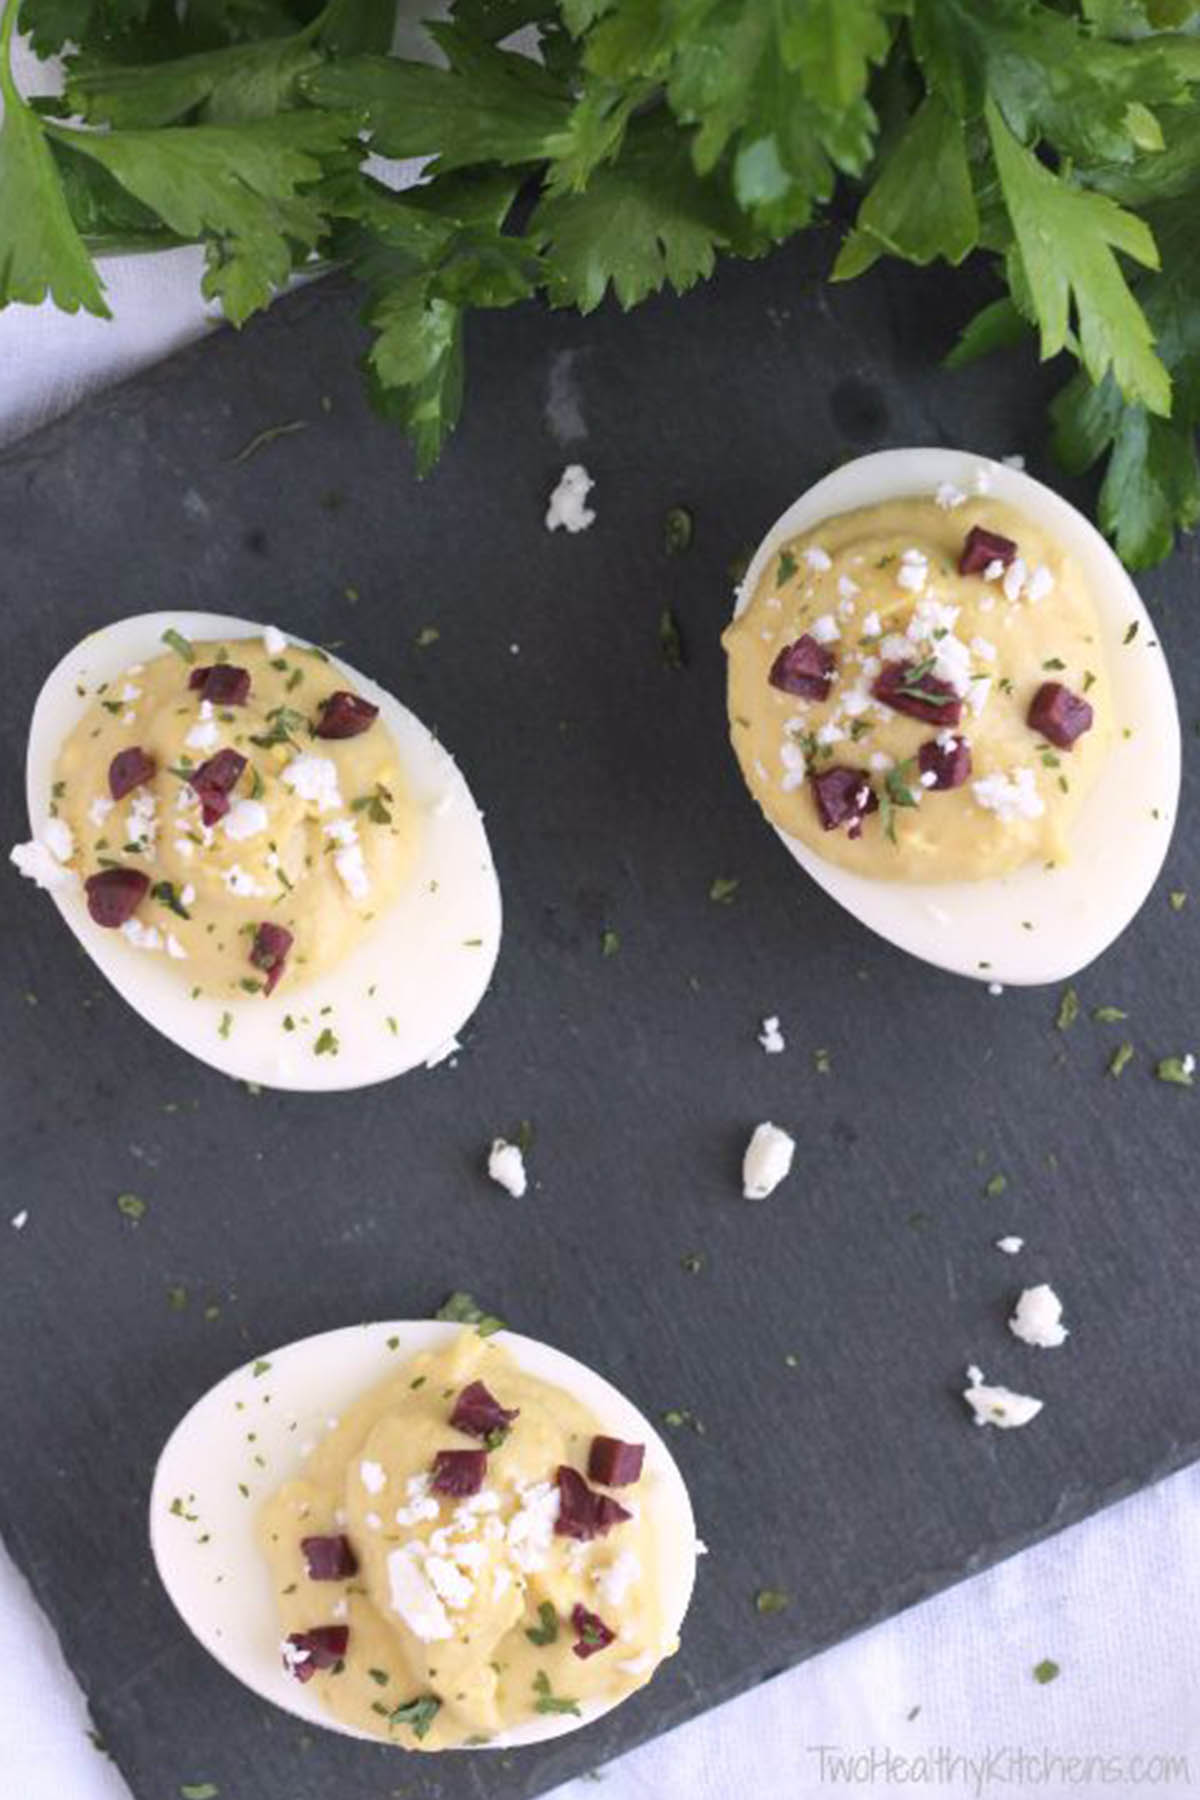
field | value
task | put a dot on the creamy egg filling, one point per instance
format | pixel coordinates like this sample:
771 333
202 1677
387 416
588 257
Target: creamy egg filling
879 591
464 1616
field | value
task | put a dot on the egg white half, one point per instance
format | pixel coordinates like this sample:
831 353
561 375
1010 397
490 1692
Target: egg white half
1036 925
308 1384
429 958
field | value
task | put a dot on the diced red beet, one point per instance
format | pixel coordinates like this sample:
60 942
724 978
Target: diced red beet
480 1414
222 683
949 762
844 797
615 1464
459 1472
591 1633
982 548
322 1647
910 688
328 1558
1059 715
128 770
345 715
804 668
583 1513
269 952
115 895
212 781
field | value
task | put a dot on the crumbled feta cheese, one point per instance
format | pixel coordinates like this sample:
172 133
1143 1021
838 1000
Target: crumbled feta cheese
830 733
187 894
817 559
141 821
99 809
979 693
913 571
142 937
1011 1246
998 1406
175 948
501 1582
982 482
994 570
1014 578
205 734
373 1521
1040 583
880 762
452 1587
770 1037
948 496
995 989
1037 1319
618 1578
315 779
567 505
240 883
274 642
928 778
983 648
294 1657
767 1161
37 864
847 588
1010 797
422 1504
20 1220
413 1598
339 1610
130 692
1015 461
825 629
1188 1064
56 835
506 1166
372 1476
246 819
531 1529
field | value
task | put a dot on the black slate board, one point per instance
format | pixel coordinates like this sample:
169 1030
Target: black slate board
853 1479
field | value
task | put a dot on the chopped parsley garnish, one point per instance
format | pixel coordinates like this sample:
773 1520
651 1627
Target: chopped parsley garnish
168 894
1054 662
1131 633
724 888
1122 1055
678 530
771 1600
284 721
787 568
132 1206
179 644
428 634
547 1702
546 1631
419 1714
326 1044
374 805
610 943
822 1062
111 706
1178 1070
1177 899
226 1025
692 1263
461 1308
260 1367
199 1790
996 1186
896 792
678 1416
1108 1015
670 642
1045 1671
1089 680
379 1676
177 1299
1068 1010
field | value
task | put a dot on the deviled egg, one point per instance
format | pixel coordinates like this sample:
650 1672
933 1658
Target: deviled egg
420 1534
946 695
271 859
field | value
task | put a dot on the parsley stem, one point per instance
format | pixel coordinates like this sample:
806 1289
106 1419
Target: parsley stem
8 25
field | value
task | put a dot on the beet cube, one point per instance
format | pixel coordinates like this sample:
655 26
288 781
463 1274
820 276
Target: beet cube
115 895
269 952
984 547
582 1513
911 689
613 1463
459 1472
128 770
212 781
480 1414
223 684
844 797
804 668
949 763
328 1558
591 1633
322 1647
1059 715
345 715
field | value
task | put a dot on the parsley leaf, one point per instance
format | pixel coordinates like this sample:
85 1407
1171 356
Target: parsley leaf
546 1631
547 1702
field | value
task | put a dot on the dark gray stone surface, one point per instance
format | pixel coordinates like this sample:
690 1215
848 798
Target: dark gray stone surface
853 1479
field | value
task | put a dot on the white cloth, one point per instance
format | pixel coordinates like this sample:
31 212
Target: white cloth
1114 1602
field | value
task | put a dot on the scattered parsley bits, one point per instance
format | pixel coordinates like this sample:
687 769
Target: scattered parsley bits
226 1025
548 1702
724 888
179 644
261 1367
326 1044
822 1062
268 435
1108 1015
692 1263
379 1676
199 1790
131 1206
1130 634
1046 1671
463 1309
428 634
610 943
1177 899
1121 1056
670 643
678 530
996 1186
1180 1071
768 1601
419 1714
1068 1010
679 1416
546 1630
787 568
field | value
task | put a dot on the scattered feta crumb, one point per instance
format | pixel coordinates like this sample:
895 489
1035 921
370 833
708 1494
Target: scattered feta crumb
983 648
240 883
948 496
993 570
1040 583
825 629
37 864
567 505
998 1406
413 1598
982 482
1011 1246
142 937
373 1476
314 778
1010 797
274 642
767 1161
872 625
1037 1319
19 1220
880 762
100 808
995 989
847 588
770 1037
1015 461
246 819
506 1166
1014 578
56 835
913 572
817 559
175 948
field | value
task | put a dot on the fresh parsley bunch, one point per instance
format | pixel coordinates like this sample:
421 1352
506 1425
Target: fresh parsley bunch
1059 137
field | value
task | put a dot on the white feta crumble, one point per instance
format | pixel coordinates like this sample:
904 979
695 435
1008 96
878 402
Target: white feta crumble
913 571
998 1406
880 762
948 496
129 692
240 883
205 734
1011 1246
1010 797
339 1610
372 1476
294 1657
830 733
37 864
413 1599
847 587
983 648
567 506
142 937
452 1587
246 819
274 642
348 860
1015 461
928 779
20 1220
994 570
187 894
141 821
771 1037
1014 578
501 1581
506 1166
373 1521
100 808
817 559
531 1529
1040 583
175 949
995 989
872 625
1188 1064
315 779
982 481
1037 1318
421 1502
825 629
767 1161
57 837
618 1578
